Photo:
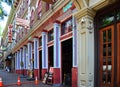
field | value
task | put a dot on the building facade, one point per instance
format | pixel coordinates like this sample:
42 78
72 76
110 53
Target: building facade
78 39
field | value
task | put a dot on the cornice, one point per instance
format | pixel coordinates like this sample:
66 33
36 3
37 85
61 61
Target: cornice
85 12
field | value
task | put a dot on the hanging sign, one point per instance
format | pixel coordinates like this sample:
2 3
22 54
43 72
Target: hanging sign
22 22
10 33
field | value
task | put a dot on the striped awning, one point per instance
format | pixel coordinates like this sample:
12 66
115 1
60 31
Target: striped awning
49 1
22 22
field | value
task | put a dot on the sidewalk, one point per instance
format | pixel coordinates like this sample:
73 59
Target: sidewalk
10 80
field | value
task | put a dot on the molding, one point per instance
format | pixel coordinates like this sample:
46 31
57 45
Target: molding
102 3
85 12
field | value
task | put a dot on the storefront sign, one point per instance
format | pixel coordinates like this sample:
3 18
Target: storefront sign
68 6
10 33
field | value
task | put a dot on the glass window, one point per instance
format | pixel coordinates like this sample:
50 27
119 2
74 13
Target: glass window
118 15
40 41
106 20
66 27
50 35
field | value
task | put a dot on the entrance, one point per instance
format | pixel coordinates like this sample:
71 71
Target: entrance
50 56
67 61
40 64
107 46
107 56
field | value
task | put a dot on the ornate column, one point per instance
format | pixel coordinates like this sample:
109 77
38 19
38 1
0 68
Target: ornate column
85 45
44 54
57 54
36 57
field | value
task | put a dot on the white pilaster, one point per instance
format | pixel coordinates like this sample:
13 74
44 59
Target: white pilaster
44 51
16 61
19 60
85 48
29 55
24 57
36 52
57 46
75 50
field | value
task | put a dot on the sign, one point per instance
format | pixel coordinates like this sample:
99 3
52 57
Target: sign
22 22
68 6
10 33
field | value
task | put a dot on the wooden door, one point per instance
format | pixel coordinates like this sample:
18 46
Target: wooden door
107 56
118 55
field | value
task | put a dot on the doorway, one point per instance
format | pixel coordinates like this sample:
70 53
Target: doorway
66 61
40 64
107 56
50 57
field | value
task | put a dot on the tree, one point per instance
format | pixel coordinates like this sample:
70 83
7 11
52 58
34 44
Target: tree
2 11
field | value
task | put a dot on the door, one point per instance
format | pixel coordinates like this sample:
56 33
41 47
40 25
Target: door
118 55
107 56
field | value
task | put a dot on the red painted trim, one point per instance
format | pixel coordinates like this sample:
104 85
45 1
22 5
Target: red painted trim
50 43
35 37
74 77
44 30
43 73
57 21
29 41
66 36
25 71
40 48
36 73
56 76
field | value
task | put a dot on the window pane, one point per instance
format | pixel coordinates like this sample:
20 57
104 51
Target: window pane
104 77
109 49
109 35
107 20
66 27
104 36
104 50
109 77
109 60
118 15
50 35
104 60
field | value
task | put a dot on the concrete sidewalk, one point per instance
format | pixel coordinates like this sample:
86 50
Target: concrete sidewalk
10 80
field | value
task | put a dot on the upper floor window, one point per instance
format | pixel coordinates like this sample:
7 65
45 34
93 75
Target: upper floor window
40 41
66 26
32 18
39 9
48 6
50 35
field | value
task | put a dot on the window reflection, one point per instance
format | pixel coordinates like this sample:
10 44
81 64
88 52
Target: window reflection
66 27
106 20
104 50
109 35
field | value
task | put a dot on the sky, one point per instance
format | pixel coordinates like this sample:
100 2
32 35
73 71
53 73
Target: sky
3 22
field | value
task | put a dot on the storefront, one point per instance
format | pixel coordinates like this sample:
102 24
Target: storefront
107 46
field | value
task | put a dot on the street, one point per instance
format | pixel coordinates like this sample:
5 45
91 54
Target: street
11 79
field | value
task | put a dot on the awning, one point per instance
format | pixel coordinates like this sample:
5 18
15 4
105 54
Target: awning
49 1
22 22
